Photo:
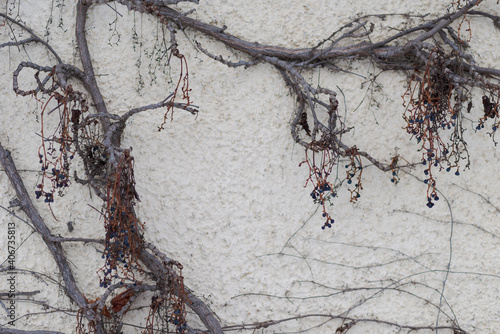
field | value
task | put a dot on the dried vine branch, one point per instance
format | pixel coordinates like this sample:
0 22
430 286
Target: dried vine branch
54 247
435 102
109 170
443 73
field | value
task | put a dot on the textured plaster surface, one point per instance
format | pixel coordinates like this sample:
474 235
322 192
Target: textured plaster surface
223 192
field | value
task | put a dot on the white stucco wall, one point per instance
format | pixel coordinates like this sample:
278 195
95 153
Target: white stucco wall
223 193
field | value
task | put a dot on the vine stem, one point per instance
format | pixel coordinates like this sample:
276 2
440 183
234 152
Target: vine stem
54 247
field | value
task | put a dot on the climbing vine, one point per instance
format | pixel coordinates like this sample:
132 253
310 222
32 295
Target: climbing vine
76 124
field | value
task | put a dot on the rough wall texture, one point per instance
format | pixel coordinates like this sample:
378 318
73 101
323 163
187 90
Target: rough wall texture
223 193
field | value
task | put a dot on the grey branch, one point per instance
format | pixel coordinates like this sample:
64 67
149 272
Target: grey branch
34 37
164 103
54 247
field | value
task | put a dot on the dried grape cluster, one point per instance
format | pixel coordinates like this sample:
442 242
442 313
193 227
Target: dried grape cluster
490 111
319 172
166 311
57 151
322 157
433 111
168 305
124 240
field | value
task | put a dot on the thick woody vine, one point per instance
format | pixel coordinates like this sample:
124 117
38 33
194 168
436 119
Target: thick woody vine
442 73
69 128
